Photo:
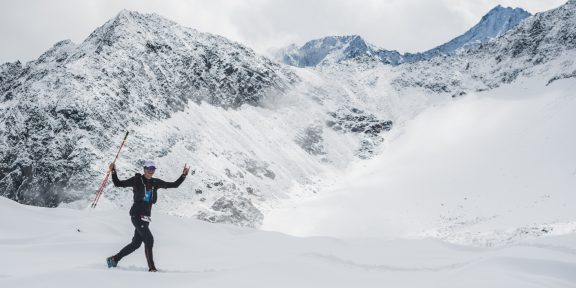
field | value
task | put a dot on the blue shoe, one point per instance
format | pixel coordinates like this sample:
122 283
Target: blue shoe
111 262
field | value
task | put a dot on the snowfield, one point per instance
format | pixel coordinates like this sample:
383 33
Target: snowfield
67 248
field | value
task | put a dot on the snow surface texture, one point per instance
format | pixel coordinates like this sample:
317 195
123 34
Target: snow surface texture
256 132
336 49
67 248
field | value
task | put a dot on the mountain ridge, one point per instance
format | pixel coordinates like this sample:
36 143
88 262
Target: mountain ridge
493 24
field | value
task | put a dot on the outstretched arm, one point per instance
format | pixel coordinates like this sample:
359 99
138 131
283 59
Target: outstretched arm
175 184
120 183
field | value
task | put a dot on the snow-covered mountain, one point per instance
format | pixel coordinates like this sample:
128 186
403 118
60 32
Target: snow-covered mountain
256 132
542 45
497 111
334 49
249 127
62 110
495 23
339 48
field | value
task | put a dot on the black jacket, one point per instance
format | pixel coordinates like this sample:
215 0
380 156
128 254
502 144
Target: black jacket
139 184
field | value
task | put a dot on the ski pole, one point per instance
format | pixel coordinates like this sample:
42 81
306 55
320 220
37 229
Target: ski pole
101 189
99 192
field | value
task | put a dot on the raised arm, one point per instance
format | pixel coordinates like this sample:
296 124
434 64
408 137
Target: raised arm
120 183
163 184
175 184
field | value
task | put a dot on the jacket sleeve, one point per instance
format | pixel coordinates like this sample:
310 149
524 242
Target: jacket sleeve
122 183
175 184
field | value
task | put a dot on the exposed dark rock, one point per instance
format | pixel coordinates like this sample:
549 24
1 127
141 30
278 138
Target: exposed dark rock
357 121
311 140
238 211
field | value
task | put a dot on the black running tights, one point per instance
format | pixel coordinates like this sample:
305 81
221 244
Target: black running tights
141 234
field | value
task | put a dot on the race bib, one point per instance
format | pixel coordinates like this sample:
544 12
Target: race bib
146 218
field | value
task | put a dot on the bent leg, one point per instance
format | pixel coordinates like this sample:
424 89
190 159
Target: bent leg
135 244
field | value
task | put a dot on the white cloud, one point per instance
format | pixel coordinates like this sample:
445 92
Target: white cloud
30 27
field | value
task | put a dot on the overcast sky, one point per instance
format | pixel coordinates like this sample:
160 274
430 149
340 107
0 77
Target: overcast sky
30 27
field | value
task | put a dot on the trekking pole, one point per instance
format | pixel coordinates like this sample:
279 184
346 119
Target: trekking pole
99 192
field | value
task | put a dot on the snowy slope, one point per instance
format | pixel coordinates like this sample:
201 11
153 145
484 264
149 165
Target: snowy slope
66 248
482 150
488 169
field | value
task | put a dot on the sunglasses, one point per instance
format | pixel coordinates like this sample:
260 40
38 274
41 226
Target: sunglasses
150 168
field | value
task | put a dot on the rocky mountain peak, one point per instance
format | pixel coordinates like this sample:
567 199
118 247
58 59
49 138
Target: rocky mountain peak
493 24
128 28
540 37
335 49
143 65
331 48
502 19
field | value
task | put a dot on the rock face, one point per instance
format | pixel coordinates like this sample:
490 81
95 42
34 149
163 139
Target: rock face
335 49
239 211
357 121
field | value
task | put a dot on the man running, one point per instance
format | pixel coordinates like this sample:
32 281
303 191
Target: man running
145 194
